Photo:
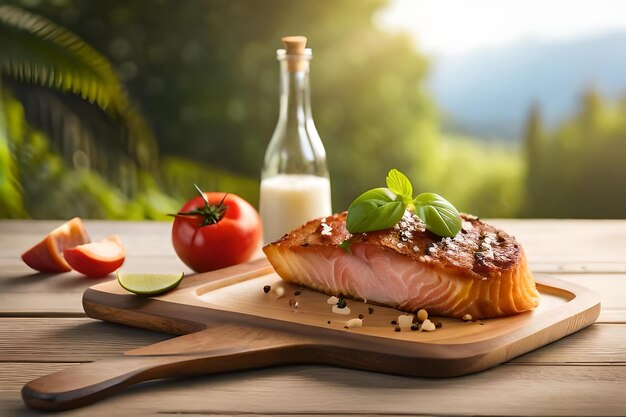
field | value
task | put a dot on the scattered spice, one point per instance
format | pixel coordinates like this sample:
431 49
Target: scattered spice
293 303
422 315
341 302
267 289
354 323
397 329
297 293
361 316
326 230
339 310
405 320
428 326
438 324
332 300
394 322
370 310
415 327
328 321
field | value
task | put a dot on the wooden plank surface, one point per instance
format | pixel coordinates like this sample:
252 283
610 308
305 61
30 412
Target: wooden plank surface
86 340
512 390
42 330
68 339
551 245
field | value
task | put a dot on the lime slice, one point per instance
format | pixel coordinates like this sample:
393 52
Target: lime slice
149 284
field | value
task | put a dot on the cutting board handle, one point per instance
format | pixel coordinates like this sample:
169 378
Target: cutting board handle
219 349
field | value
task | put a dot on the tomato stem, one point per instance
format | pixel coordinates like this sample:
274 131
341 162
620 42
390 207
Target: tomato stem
210 213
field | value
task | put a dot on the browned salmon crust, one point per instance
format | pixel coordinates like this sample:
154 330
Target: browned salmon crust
479 250
483 270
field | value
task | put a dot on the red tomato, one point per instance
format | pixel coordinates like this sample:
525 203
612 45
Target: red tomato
97 259
223 232
46 256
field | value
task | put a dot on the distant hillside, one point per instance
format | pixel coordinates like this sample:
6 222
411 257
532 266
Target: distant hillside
488 93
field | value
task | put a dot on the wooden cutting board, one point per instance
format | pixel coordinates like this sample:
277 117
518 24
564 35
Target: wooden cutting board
230 323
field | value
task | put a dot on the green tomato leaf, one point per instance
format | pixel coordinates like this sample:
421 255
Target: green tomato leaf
438 214
398 183
368 215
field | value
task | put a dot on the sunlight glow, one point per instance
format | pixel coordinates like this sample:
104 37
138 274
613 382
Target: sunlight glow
452 27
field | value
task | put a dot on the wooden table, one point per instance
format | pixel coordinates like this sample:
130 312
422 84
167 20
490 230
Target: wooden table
43 329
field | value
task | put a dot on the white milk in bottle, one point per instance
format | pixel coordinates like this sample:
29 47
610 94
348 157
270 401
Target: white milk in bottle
290 200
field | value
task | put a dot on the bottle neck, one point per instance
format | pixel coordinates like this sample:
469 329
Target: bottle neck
295 147
295 104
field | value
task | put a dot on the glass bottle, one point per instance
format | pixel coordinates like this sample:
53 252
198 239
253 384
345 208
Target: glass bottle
295 186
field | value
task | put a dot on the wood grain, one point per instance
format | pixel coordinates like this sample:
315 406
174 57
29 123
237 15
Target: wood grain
85 340
551 245
554 380
15 374
235 294
511 390
223 349
612 291
68 339
565 241
265 333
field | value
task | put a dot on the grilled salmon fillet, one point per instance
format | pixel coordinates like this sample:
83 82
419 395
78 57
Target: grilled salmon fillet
482 271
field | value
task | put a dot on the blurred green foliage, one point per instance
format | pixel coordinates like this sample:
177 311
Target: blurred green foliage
578 169
67 159
478 177
46 187
205 78
206 74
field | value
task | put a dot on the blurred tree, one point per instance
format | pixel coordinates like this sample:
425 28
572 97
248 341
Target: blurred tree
581 170
477 176
206 75
11 203
534 147
34 50
95 161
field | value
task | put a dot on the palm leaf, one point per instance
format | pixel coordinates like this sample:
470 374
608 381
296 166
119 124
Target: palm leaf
11 204
37 51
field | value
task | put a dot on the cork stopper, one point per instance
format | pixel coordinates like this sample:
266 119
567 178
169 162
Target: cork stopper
294 45
295 52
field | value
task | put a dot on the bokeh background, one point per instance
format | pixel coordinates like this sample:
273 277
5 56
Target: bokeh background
113 109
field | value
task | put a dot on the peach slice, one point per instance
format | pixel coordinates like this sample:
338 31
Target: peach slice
47 255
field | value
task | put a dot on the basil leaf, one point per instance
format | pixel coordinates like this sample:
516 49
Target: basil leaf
368 215
438 214
379 196
398 183
345 245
